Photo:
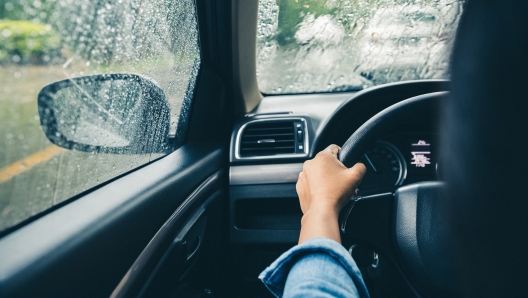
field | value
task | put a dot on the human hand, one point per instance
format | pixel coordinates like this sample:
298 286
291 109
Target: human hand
325 184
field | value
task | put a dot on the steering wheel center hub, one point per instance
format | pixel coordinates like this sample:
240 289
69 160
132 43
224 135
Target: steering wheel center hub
422 238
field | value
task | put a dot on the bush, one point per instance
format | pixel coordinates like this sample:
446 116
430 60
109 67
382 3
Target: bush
26 42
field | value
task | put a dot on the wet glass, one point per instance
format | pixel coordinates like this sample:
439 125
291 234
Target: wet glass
118 113
89 115
45 41
306 46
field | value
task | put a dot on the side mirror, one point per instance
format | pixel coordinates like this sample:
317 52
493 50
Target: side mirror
108 113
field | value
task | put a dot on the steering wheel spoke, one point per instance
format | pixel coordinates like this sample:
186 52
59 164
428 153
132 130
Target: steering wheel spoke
368 222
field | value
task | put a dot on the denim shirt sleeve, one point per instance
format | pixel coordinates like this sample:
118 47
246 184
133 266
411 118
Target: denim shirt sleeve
319 267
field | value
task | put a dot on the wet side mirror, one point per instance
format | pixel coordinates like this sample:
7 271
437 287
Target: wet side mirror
108 113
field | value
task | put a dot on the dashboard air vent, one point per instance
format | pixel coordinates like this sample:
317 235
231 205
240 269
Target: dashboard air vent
268 138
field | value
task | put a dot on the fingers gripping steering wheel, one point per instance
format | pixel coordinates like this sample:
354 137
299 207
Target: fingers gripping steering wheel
408 226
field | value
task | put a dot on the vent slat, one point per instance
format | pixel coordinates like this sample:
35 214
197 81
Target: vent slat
268 135
274 148
277 137
276 141
269 145
267 128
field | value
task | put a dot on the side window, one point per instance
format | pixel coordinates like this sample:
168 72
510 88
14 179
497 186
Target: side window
89 90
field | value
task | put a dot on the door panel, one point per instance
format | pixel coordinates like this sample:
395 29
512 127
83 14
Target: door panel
175 247
84 248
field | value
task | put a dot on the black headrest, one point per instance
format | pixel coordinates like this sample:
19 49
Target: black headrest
486 146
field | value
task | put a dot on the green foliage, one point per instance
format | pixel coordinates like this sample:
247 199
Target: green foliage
349 13
24 41
292 13
31 10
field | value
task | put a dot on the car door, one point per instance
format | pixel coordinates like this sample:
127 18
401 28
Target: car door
90 208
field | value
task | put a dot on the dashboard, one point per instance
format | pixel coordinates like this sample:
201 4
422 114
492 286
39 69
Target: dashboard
270 144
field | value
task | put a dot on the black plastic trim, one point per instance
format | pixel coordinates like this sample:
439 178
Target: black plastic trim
109 226
139 272
248 192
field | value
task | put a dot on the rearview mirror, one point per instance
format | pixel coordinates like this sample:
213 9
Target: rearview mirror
110 113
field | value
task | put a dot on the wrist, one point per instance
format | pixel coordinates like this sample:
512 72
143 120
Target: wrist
320 212
320 221
324 206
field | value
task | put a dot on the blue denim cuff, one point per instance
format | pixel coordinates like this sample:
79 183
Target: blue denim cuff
274 277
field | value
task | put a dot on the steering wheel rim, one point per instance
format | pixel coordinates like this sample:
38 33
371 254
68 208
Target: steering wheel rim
420 241
384 122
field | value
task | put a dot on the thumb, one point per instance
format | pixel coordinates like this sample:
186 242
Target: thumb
357 172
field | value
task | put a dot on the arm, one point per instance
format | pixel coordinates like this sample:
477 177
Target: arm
319 265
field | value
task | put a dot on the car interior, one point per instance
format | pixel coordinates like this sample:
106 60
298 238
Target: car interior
221 205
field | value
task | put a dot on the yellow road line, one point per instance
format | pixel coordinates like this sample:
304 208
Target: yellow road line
29 162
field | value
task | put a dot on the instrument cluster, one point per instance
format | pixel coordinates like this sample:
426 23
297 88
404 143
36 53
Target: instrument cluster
397 160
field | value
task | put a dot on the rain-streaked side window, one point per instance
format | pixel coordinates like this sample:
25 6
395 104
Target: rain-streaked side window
89 90
307 46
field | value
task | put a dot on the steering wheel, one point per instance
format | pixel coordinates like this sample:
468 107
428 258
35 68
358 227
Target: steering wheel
409 225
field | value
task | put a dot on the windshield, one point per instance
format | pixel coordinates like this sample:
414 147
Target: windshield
306 46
